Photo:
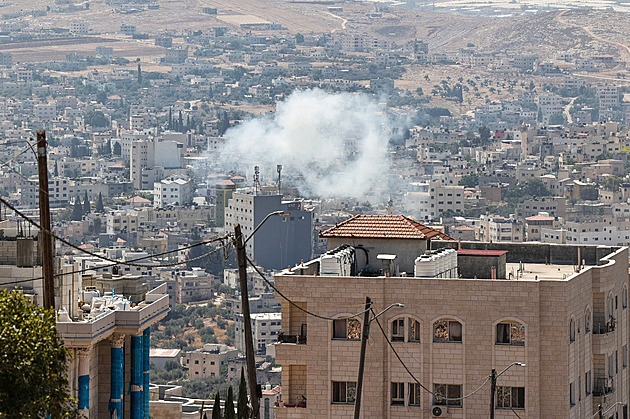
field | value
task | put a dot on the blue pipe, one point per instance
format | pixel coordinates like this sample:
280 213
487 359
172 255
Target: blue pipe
137 411
146 349
84 392
117 385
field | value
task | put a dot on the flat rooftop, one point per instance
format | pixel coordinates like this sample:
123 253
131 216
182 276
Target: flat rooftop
534 271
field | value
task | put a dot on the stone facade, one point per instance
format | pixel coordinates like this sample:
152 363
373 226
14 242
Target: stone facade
565 325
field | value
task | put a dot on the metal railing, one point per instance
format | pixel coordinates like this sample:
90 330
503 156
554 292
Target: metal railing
603 386
285 338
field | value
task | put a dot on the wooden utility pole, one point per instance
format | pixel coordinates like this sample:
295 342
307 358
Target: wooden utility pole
364 338
44 222
247 323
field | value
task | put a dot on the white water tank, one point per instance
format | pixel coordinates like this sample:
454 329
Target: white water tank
424 267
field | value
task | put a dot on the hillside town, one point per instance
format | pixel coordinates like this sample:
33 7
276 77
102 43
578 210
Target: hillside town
496 202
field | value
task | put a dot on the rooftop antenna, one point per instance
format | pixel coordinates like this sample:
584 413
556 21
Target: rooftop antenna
256 179
279 169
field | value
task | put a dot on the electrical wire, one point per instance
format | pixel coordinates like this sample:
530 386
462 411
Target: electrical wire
33 183
115 264
67 243
6 163
310 313
441 397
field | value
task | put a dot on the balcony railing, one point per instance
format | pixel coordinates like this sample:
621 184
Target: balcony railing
603 386
601 328
284 338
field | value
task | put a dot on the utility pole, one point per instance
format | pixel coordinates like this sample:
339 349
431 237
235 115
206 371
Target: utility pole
364 338
493 390
44 222
247 323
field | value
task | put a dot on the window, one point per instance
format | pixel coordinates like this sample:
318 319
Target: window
447 331
510 334
587 382
415 393
572 394
447 394
624 356
587 321
398 394
398 330
347 329
510 397
414 331
572 330
611 366
344 392
624 297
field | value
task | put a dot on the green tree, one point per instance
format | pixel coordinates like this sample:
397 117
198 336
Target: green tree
242 406
216 407
77 210
101 97
229 405
556 119
99 203
33 361
117 149
86 204
299 38
470 181
97 223
96 119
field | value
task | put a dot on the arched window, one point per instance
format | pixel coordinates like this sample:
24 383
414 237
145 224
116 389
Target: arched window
572 330
447 331
611 306
407 325
587 321
347 329
624 297
510 333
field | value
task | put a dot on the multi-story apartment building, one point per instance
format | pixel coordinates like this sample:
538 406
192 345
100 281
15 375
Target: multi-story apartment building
173 191
58 188
501 229
608 96
45 112
443 198
141 156
281 241
209 361
558 331
265 328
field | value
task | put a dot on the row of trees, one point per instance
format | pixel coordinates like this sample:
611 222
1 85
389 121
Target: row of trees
79 210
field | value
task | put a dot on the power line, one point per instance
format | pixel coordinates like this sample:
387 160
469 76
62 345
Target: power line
132 260
67 243
414 377
296 305
32 182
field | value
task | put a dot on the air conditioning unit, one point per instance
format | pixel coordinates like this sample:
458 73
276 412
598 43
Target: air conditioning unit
439 411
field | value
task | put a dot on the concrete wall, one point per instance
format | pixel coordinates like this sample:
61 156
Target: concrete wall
406 251
536 252
543 307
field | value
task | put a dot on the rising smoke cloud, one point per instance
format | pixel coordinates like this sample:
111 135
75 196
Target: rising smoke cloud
334 143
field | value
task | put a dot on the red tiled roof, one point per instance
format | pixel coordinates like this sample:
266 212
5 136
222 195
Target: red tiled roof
384 227
474 252
138 200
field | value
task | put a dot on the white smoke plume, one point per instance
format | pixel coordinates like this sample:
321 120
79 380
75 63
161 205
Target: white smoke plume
336 144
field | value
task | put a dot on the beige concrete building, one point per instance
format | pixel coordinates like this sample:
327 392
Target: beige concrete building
567 322
209 361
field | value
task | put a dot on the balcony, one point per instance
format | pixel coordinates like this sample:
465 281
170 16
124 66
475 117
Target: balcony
602 328
603 387
286 338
